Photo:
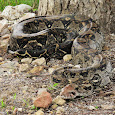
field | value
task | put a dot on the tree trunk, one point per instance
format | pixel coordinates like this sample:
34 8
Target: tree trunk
103 11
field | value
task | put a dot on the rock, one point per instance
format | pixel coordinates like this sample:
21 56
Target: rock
14 12
40 61
54 106
108 107
58 100
23 67
4 43
4 27
59 111
27 15
1 59
39 112
43 99
26 60
91 107
77 66
67 57
36 70
50 70
20 109
113 70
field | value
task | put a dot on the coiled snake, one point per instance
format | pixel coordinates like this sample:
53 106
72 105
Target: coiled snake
55 36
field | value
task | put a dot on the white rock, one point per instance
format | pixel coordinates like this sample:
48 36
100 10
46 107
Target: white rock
26 60
40 61
27 15
77 66
58 100
23 67
50 70
91 107
14 12
20 109
39 112
67 57
59 111
1 59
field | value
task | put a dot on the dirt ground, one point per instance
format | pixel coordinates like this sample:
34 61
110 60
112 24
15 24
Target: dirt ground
17 90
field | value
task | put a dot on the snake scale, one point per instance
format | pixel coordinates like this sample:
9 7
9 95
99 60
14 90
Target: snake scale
55 36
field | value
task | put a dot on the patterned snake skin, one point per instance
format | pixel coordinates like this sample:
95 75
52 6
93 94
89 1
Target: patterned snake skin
55 36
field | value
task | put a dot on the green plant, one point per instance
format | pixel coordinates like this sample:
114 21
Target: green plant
53 87
33 107
27 103
15 96
13 108
96 107
2 103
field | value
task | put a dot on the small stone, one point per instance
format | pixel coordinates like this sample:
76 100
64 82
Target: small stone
91 107
23 67
50 70
54 106
77 66
36 69
59 111
58 100
39 112
67 57
1 59
108 106
40 61
20 109
43 100
26 60
114 70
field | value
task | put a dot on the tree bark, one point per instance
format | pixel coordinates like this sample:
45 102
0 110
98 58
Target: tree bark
103 11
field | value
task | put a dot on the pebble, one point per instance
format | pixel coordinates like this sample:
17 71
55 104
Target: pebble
91 107
20 109
1 59
58 100
54 106
67 57
23 67
39 112
50 70
59 111
43 99
40 61
36 69
26 60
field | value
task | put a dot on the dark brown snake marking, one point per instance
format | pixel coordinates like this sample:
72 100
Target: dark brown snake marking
55 36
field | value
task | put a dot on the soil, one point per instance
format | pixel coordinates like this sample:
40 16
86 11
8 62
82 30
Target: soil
17 90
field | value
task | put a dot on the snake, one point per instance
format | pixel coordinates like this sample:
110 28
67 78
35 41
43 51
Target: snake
58 35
